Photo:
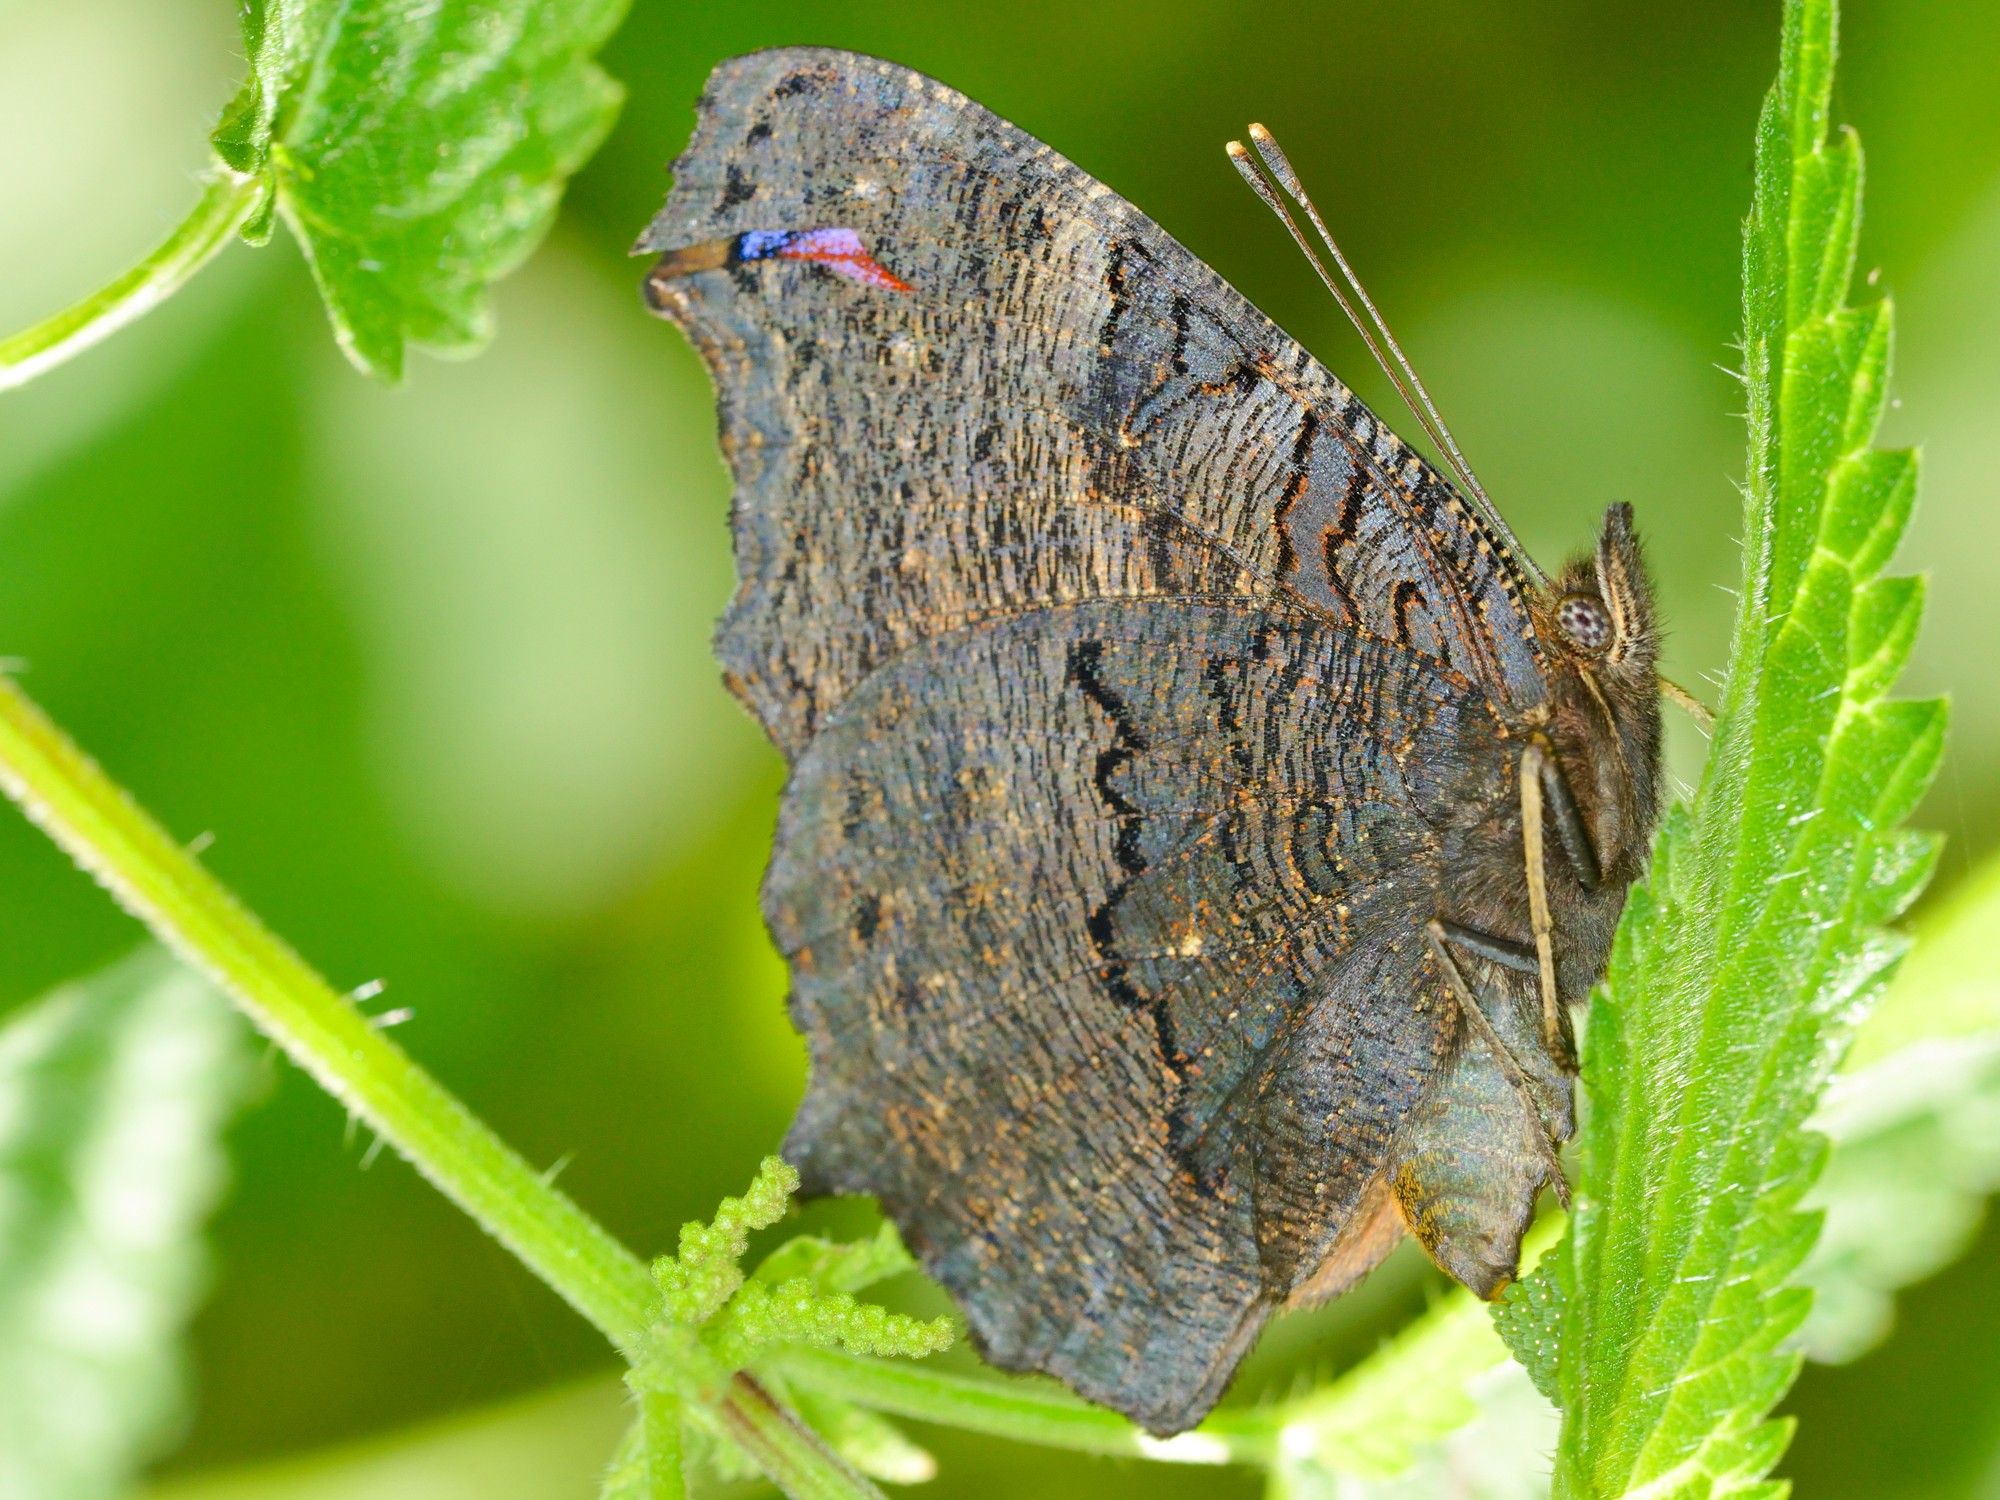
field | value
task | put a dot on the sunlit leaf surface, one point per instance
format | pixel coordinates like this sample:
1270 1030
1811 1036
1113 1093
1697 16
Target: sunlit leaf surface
417 150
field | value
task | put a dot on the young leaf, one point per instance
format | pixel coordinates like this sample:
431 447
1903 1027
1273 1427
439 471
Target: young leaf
835 1267
417 151
1755 940
113 1093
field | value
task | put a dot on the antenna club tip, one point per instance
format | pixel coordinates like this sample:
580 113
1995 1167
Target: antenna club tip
1275 158
1246 168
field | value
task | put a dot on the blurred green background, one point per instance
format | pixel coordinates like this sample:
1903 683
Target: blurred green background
431 664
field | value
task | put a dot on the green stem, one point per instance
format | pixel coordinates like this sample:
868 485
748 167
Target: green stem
781 1444
161 884
227 203
647 1465
1025 1413
1376 1414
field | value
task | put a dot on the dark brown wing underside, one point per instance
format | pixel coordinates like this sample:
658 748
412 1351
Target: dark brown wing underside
1067 405
1103 927
1126 664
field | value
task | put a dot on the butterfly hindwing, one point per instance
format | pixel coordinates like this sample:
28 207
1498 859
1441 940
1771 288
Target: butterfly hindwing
1094 915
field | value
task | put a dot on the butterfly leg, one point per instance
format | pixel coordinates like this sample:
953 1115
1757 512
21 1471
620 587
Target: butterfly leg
1502 951
1571 830
1687 703
1543 789
1439 934
1534 857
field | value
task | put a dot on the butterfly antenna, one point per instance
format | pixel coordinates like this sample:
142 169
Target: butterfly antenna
1387 352
1247 166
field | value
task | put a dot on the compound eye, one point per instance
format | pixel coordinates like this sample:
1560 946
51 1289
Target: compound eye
1586 622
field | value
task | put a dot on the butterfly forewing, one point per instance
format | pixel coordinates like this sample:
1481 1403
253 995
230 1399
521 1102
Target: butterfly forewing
1065 405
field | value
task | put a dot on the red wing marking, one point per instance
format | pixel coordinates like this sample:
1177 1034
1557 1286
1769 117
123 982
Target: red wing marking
839 250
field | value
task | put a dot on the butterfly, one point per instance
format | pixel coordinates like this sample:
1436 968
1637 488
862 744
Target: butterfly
1200 817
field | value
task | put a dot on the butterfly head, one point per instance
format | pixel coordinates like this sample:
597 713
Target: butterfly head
1600 609
1604 715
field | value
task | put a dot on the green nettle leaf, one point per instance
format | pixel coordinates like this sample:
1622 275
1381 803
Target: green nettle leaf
832 1266
1756 940
416 150
1914 1122
113 1095
714 1322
